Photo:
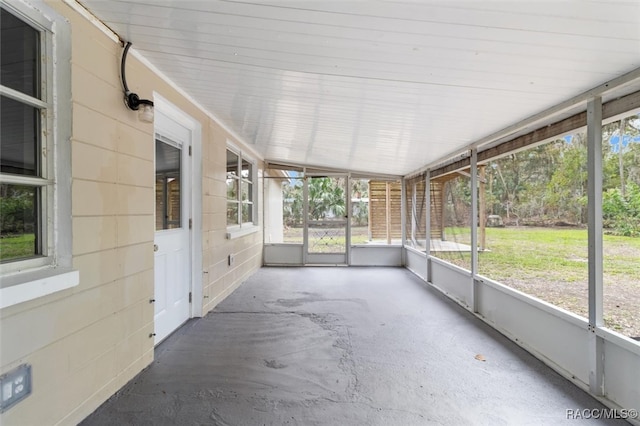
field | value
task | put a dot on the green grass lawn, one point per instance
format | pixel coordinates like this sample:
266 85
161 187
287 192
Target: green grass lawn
539 252
552 264
17 247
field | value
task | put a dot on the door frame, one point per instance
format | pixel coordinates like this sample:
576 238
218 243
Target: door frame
195 214
330 257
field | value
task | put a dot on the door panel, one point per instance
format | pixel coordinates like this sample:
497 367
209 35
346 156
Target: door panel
327 220
172 238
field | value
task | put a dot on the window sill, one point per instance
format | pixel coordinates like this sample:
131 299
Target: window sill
22 287
233 233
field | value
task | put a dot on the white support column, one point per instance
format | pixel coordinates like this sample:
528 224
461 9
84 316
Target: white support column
305 218
414 213
594 206
403 215
474 227
347 229
427 242
474 211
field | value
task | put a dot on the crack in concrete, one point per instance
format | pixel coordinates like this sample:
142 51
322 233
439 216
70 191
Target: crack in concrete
369 405
218 420
213 313
292 303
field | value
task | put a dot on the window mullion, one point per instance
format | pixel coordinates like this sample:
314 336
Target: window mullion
21 97
239 194
25 180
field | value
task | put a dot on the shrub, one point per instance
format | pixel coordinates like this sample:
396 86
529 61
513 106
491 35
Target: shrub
621 214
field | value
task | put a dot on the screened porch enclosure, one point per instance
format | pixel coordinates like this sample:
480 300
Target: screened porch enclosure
451 166
331 218
512 235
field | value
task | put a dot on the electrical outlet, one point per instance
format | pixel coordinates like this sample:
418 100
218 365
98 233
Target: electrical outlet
14 386
231 259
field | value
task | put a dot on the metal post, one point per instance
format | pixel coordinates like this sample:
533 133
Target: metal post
443 204
594 206
427 243
414 214
348 213
403 216
305 217
387 188
623 190
482 214
474 228
474 211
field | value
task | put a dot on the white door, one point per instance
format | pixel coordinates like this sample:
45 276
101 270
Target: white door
327 223
172 237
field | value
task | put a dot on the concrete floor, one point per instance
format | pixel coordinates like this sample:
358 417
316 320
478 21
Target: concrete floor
342 346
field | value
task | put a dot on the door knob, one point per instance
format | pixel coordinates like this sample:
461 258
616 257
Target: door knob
155 247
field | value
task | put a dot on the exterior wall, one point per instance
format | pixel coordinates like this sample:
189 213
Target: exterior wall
273 221
86 342
220 278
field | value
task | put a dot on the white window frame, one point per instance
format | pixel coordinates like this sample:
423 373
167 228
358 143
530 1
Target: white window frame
28 279
244 228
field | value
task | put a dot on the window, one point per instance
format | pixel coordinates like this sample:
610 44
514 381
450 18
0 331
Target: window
168 185
23 170
241 178
35 87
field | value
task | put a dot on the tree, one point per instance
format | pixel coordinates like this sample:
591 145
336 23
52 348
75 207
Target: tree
360 207
566 192
292 202
326 198
17 213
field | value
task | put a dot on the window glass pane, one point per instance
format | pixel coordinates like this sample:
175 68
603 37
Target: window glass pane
247 213
19 135
247 191
19 52
247 170
232 165
168 187
18 222
232 189
232 213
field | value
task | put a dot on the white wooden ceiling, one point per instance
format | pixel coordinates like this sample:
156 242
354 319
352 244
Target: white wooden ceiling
378 86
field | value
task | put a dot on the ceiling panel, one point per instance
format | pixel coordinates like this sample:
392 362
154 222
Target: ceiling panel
377 86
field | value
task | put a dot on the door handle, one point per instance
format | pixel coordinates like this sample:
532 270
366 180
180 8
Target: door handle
155 247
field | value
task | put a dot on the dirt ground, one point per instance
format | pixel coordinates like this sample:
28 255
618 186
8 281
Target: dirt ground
621 304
